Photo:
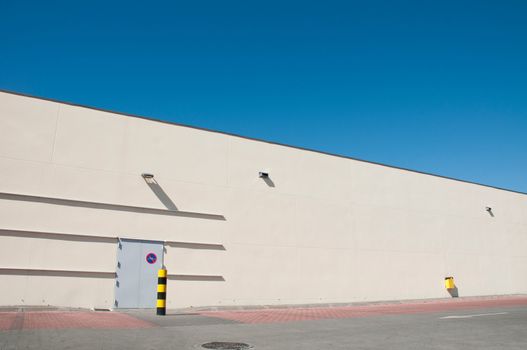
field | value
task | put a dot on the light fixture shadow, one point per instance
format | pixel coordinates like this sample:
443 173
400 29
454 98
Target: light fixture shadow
160 193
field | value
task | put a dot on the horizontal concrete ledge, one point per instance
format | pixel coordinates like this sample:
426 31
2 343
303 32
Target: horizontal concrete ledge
56 273
191 245
107 206
57 236
102 239
195 277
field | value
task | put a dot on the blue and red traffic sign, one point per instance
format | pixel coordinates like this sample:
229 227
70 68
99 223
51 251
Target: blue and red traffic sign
151 258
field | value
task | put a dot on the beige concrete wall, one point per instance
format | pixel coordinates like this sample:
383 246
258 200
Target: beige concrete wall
327 230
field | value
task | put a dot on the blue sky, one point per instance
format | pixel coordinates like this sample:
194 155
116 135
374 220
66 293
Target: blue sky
439 87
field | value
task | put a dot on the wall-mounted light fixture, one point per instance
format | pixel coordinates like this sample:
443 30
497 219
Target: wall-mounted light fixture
489 210
147 176
263 175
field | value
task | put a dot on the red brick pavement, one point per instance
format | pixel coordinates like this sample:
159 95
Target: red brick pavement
6 320
69 319
114 320
318 313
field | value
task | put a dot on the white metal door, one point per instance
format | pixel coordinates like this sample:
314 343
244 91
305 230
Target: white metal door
137 265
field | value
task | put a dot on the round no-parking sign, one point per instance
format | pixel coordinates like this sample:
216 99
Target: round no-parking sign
151 258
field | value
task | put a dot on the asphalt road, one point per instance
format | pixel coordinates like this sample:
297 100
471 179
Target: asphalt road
476 328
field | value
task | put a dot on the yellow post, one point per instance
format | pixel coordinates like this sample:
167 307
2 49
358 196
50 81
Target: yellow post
449 283
161 292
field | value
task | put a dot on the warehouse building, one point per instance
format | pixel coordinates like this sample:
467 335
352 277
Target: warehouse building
93 202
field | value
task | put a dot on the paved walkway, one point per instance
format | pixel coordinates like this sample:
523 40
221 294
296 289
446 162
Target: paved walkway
20 320
69 320
318 313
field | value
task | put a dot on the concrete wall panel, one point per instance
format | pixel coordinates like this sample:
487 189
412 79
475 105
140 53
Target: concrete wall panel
27 127
181 154
72 253
191 259
57 291
89 139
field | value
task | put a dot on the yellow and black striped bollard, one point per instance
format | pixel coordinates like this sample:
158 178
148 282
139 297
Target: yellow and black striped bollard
161 292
